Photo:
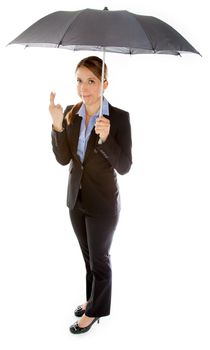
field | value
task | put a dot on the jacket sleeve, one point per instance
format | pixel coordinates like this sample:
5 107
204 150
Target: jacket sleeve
60 144
117 148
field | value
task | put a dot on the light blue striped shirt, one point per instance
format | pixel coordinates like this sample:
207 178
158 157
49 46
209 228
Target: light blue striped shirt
85 132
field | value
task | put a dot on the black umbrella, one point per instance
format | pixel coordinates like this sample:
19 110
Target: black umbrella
104 30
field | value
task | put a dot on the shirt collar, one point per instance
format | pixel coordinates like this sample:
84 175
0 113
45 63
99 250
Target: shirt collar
105 109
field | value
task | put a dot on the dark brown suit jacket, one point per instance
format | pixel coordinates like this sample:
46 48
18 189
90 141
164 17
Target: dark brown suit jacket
96 176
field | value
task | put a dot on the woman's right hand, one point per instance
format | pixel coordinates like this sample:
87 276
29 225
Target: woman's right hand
56 112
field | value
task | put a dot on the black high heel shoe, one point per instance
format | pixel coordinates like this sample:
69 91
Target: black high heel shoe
79 311
76 329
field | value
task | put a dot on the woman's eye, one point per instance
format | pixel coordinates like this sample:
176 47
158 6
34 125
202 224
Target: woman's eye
90 81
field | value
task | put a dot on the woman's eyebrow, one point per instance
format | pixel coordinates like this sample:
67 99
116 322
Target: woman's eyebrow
92 77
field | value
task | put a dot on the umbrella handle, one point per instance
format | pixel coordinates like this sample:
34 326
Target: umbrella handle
102 83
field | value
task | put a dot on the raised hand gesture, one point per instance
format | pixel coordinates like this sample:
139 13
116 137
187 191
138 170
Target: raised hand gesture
56 112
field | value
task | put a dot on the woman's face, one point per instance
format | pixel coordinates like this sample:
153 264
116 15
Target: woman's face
88 86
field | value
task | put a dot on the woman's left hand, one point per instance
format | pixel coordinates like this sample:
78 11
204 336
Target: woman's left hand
102 128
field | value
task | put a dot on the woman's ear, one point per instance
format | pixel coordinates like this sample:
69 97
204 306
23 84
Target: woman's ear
105 84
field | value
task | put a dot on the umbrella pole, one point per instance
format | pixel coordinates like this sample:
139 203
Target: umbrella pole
102 83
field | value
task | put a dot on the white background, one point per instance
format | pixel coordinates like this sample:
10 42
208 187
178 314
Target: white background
160 252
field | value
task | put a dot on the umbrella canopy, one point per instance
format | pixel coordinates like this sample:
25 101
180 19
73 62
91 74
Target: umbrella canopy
104 30
114 31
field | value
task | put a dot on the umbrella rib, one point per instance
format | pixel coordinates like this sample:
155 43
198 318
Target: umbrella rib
147 35
69 26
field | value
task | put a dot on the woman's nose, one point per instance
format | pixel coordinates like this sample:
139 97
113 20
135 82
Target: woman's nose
83 87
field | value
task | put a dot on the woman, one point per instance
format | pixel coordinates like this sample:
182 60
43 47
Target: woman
95 147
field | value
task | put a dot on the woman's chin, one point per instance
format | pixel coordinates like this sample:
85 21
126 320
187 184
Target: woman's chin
86 100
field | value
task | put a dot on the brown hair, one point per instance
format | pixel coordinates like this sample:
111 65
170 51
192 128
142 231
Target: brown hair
94 64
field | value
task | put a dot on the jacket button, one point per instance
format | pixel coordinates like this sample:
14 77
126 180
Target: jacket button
95 150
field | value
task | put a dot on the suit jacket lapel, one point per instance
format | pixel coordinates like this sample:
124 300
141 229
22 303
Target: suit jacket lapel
74 131
93 140
91 144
